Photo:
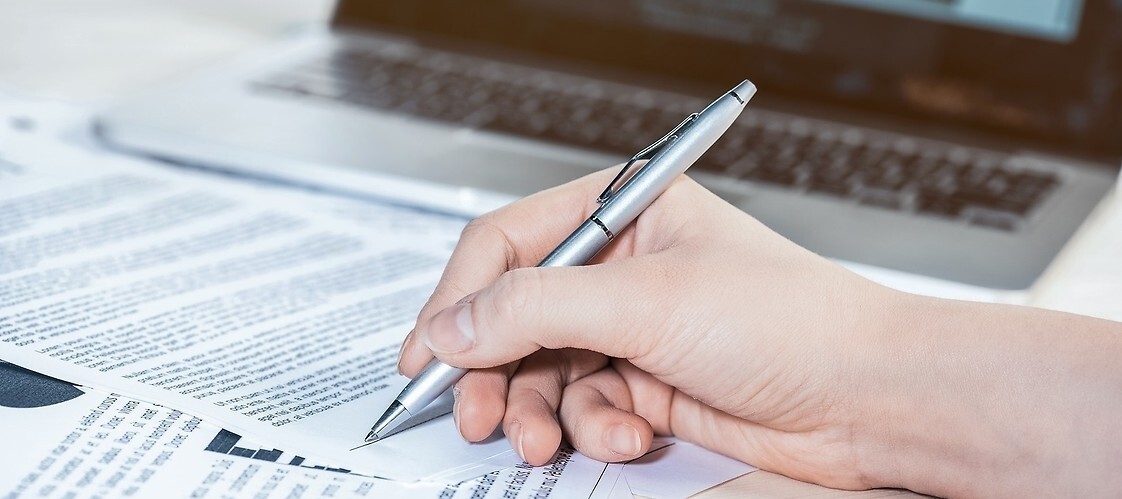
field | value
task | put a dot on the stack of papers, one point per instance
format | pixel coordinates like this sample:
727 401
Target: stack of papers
213 336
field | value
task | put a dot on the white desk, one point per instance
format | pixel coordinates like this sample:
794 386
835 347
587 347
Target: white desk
89 52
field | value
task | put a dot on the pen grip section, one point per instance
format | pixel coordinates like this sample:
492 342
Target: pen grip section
577 249
429 385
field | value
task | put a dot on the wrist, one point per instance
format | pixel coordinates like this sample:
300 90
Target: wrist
920 429
969 399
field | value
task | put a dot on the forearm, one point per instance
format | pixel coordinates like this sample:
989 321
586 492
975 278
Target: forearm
984 400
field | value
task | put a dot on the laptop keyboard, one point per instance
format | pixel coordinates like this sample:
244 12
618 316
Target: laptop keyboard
887 172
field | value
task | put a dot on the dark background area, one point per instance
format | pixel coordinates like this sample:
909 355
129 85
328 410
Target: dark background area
1064 95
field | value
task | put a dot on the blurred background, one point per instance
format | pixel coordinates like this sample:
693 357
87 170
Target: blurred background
962 140
88 51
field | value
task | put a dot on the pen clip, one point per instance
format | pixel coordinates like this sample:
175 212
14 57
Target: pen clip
647 153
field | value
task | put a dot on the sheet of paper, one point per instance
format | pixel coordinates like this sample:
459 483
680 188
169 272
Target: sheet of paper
572 475
680 469
23 119
51 121
228 302
89 446
568 475
100 444
612 484
67 441
91 443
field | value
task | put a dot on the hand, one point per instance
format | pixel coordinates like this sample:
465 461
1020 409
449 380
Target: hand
700 322
719 331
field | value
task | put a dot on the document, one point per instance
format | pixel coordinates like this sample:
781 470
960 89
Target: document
570 475
230 302
89 445
612 484
672 468
105 445
64 441
676 468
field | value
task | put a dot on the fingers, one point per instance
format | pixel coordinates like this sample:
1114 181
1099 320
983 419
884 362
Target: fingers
412 359
483 253
526 403
535 396
577 307
481 401
518 235
531 419
597 419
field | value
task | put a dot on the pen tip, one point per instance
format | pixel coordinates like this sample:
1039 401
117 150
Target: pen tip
371 437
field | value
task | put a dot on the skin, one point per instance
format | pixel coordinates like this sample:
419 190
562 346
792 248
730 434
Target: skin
700 322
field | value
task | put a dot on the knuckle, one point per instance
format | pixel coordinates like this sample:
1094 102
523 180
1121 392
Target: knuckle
517 294
478 225
485 231
447 292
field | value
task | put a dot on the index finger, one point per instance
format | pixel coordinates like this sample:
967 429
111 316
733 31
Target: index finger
517 235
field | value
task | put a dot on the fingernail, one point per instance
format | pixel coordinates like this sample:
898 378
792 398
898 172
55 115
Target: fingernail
451 331
456 410
404 344
623 440
514 432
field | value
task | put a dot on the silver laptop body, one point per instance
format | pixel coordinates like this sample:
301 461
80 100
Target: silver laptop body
948 143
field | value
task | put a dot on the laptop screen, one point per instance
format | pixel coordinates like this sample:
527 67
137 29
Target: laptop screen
1048 71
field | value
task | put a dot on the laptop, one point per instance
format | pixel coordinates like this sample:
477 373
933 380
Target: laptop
961 139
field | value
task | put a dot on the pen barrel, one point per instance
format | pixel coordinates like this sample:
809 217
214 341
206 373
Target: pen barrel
429 385
675 157
577 249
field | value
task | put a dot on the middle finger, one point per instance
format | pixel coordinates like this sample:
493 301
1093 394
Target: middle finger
534 396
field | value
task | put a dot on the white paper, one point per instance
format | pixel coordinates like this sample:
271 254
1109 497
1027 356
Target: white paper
94 445
106 445
567 475
681 469
612 484
28 119
244 307
571 476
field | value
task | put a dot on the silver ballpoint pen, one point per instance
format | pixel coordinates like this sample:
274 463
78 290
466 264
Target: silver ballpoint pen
667 158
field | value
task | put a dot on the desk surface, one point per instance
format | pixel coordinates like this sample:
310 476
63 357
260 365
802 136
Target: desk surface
84 52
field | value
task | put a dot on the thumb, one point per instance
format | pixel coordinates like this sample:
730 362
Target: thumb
605 308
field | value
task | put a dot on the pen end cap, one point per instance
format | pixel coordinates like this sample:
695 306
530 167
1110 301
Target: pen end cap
744 91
